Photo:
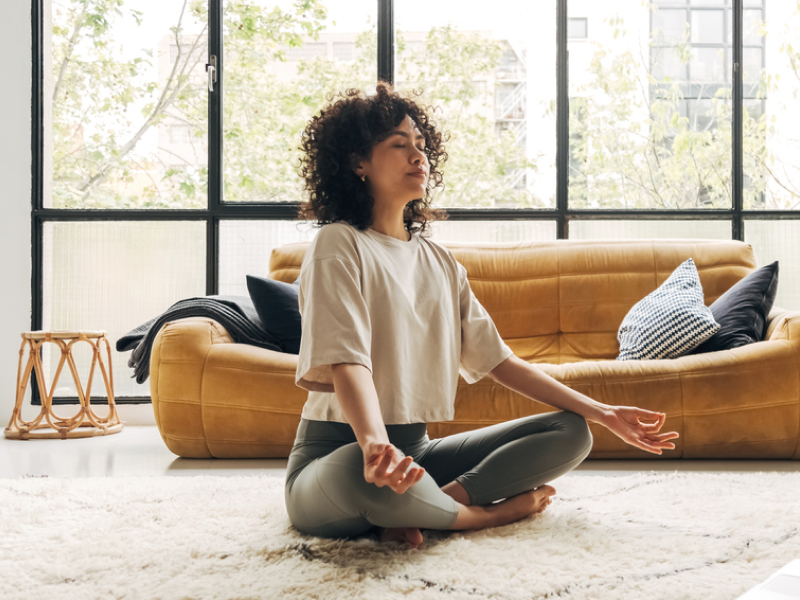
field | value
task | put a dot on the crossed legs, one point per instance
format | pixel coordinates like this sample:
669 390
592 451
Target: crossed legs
328 496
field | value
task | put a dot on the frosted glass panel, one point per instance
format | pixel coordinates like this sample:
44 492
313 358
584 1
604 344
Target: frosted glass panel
778 240
245 246
586 230
115 276
494 231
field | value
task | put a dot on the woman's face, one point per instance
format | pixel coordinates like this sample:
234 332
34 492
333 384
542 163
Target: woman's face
398 169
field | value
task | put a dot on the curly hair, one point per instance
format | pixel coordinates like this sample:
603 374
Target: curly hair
346 131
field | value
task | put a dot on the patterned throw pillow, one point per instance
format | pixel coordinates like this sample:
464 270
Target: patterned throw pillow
668 322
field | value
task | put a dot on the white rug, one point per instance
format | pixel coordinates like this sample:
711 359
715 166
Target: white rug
645 536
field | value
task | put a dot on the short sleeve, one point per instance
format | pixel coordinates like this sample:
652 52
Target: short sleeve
335 322
482 348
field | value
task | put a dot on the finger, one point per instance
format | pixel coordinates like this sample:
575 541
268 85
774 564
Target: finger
400 470
650 415
384 462
660 441
670 435
401 486
662 445
414 475
652 445
650 449
659 423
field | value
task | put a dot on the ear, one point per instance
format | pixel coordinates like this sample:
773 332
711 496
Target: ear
355 165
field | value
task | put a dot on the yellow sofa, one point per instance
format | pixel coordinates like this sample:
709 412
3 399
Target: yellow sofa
558 304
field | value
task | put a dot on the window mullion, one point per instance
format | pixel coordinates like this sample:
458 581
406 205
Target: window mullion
737 182
562 120
386 41
215 198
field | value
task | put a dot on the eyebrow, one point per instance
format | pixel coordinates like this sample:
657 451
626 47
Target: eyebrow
404 134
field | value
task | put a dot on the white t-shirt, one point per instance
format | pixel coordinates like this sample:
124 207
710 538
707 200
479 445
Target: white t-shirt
404 310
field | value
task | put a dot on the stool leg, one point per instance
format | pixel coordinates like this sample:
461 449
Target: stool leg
17 425
108 378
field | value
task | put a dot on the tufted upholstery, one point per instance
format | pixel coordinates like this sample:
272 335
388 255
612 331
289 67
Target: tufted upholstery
558 304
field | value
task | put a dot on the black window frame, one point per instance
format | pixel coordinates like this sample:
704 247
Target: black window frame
218 210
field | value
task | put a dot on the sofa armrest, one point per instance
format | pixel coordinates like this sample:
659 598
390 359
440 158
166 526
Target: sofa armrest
177 362
783 324
216 398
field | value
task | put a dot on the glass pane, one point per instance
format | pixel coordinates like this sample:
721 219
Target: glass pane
647 229
472 65
494 231
650 113
126 112
669 27
771 130
708 65
752 25
245 246
668 63
577 28
281 61
778 240
115 276
753 63
707 27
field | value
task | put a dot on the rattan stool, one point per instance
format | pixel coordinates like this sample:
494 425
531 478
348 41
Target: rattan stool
85 423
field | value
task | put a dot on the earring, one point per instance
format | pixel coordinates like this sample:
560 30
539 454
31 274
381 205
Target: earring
363 177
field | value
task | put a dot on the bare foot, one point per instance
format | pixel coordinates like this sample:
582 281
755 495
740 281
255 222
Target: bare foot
408 535
521 506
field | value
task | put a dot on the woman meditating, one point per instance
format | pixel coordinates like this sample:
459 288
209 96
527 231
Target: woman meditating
388 323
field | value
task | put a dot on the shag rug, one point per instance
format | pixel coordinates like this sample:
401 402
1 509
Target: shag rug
645 536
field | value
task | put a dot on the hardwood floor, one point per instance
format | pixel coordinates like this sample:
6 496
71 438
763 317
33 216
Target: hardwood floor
139 450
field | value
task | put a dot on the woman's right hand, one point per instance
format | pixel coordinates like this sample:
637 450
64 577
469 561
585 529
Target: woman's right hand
385 465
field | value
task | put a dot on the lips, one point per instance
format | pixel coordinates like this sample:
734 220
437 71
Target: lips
418 174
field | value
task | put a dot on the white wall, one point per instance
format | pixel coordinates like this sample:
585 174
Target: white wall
15 225
15 175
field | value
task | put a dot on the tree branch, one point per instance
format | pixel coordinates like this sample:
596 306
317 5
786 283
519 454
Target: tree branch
167 97
73 41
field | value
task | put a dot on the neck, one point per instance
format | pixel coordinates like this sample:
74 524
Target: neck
390 224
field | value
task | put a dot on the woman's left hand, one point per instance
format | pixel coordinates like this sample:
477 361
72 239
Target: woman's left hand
627 423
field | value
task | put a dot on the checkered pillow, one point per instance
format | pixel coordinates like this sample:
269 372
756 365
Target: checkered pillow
668 322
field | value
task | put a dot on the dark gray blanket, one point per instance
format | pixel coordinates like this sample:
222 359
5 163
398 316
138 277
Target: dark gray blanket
235 313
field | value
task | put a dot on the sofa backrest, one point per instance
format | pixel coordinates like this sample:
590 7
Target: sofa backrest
563 301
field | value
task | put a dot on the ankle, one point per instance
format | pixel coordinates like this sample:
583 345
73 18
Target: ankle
457 492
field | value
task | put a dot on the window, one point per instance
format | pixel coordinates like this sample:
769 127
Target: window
154 189
577 28
344 51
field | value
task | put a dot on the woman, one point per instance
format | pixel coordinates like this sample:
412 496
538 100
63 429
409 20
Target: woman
388 322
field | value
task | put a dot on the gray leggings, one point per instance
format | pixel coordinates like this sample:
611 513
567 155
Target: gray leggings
326 493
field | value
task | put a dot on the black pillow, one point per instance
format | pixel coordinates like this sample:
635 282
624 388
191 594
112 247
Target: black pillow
742 311
277 306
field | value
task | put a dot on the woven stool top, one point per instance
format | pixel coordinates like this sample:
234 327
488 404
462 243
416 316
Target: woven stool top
61 334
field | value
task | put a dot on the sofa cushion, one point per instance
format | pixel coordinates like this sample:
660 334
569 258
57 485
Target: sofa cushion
670 321
742 311
278 308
